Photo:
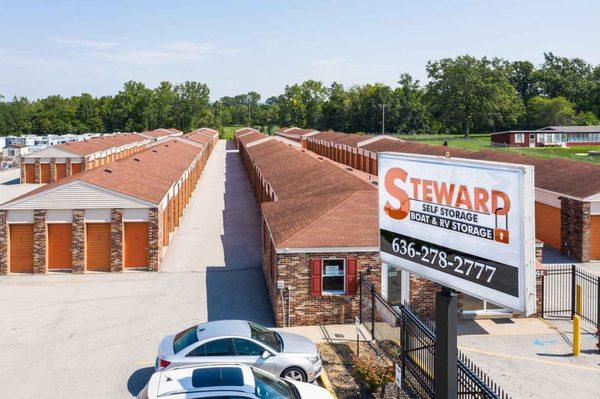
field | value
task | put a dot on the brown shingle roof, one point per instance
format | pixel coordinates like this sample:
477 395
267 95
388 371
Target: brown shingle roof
147 175
162 132
102 143
317 203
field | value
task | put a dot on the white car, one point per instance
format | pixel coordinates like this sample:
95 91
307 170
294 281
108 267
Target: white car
231 381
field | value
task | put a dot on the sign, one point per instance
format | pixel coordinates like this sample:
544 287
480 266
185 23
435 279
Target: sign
461 223
398 375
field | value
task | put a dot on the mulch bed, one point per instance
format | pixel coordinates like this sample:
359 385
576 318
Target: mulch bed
337 362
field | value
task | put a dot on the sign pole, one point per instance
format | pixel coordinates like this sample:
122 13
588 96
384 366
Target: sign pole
446 352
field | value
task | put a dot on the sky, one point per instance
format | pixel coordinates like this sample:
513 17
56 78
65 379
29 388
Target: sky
70 47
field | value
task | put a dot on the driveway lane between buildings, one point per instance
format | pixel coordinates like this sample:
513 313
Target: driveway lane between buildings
95 335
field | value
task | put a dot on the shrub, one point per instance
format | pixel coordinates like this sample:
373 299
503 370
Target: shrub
372 373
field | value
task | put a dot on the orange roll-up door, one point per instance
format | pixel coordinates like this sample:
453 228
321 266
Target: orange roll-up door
29 173
97 246
21 248
595 237
547 224
136 244
45 173
61 170
60 244
75 168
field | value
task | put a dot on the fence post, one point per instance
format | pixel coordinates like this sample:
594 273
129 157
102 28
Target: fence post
360 301
543 292
598 312
372 312
573 291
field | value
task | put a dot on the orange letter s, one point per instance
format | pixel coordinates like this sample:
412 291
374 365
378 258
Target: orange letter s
396 192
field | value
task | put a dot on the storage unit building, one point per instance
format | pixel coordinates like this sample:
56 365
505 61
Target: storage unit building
62 160
567 192
319 231
565 136
162 133
108 218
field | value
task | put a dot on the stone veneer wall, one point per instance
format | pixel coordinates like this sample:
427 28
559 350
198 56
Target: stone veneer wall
22 167
53 176
155 229
37 171
39 241
69 167
3 242
116 240
575 228
78 241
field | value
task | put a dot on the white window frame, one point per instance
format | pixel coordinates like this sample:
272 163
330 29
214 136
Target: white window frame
519 138
323 275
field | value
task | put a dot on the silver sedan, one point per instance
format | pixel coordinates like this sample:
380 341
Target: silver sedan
288 355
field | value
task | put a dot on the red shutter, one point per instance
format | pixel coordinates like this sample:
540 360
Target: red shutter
351 276
315 276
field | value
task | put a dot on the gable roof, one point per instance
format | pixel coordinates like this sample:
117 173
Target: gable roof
102 143
147 175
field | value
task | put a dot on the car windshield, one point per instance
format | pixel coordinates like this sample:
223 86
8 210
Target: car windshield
270 387
184 339
266 336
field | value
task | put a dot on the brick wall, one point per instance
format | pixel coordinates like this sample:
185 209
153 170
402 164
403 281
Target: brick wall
38 171
39 241
69 167
304 308
575 228
53 176
78 241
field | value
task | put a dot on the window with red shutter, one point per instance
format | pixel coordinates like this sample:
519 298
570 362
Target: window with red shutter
351 276
315 276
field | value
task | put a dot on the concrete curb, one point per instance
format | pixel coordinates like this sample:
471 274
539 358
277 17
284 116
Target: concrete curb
327 384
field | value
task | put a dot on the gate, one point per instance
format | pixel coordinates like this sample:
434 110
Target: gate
559 291
408 341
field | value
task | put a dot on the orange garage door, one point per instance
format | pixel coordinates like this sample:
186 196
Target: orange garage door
595 237
97 246
136 244
29 173
21 248
60 242
61 170
547 224
45 173
75 168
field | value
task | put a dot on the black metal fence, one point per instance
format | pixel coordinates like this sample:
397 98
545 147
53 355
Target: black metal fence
408 341
559 293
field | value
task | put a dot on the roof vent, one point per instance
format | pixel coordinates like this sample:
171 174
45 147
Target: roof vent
108 170
320 158
154 151
136 159
166 145
349 169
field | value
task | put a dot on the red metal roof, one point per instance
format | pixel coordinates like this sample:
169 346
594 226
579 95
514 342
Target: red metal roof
102 143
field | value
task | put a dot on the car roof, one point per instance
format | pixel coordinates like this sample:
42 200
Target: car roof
221 328
202 379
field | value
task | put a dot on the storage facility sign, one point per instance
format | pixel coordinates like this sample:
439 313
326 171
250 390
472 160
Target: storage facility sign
462 223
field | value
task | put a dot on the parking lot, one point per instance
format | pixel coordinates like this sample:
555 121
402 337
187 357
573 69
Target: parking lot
95 335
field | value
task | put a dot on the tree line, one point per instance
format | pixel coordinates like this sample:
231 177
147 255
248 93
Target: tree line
462 95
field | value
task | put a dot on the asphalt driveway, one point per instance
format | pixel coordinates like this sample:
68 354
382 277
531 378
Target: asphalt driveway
95 335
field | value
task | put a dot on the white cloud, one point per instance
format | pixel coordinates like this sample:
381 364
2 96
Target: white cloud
94 44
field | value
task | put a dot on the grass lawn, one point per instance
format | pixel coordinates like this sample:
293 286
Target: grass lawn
226 132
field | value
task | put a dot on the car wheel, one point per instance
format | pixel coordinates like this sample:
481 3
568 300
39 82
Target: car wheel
294 374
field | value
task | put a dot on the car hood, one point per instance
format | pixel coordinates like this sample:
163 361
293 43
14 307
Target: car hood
311 391
293 343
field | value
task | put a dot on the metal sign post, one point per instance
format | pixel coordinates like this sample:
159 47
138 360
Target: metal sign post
446 352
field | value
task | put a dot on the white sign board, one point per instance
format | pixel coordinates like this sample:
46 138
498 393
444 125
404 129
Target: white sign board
461 223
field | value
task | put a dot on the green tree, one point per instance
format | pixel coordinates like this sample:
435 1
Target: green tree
544 111
53 115
163 102
192 107
87 114
466 91
15 116
523 76
131 108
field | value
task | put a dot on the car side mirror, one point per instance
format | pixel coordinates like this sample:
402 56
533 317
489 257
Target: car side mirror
265 355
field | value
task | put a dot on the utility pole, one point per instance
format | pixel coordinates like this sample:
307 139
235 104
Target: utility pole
382 118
